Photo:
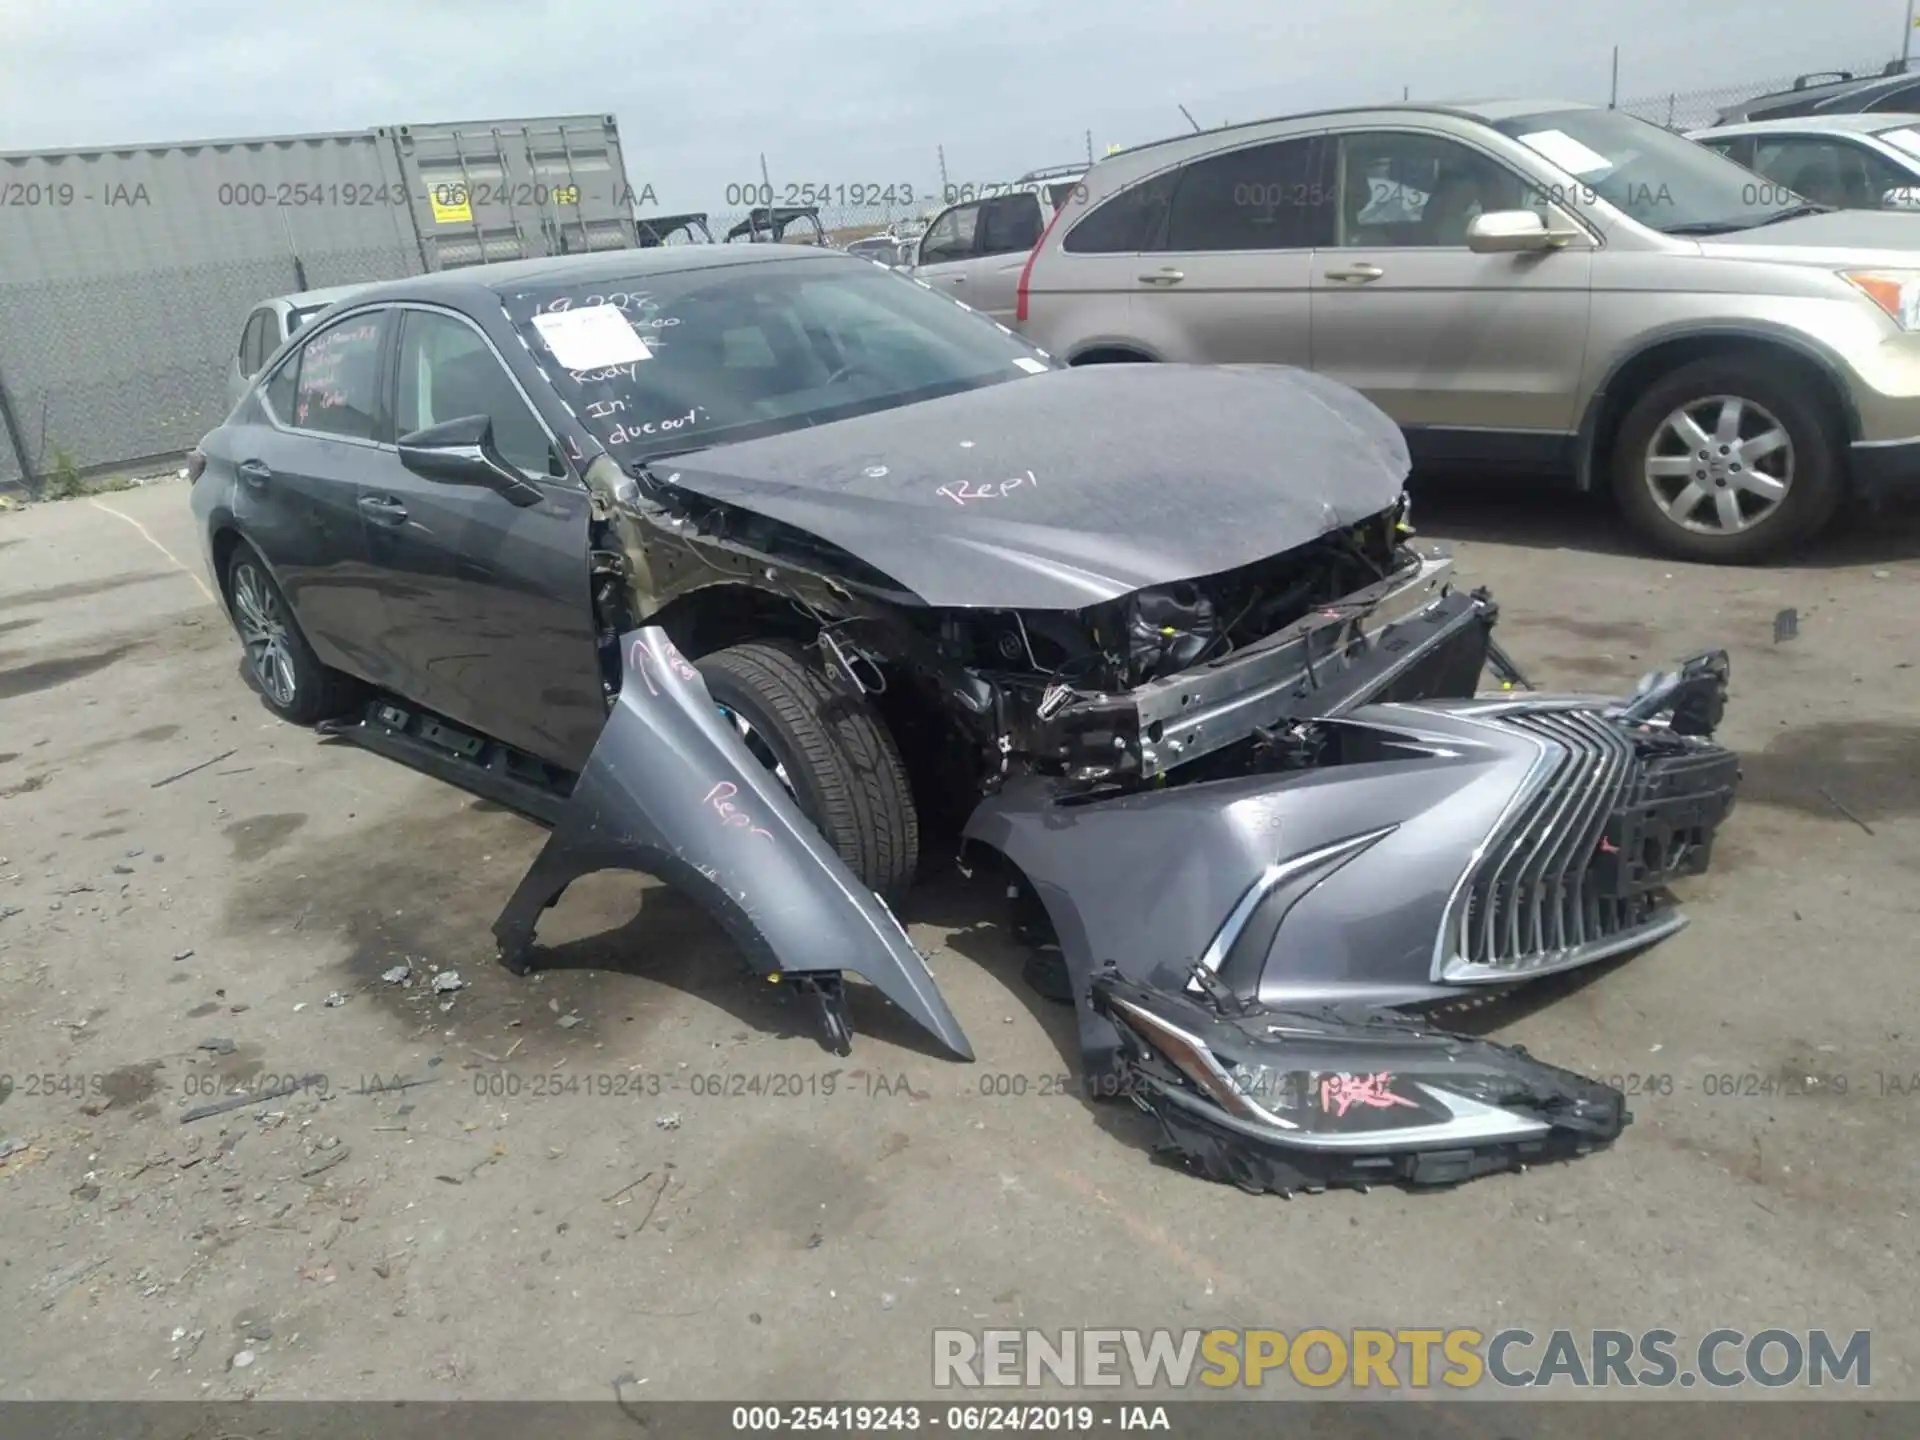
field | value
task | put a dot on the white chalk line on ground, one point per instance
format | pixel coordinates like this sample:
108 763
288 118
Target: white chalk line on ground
147 535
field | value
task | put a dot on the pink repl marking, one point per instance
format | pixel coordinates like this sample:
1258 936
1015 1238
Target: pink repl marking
720 797
642 660
1339 1093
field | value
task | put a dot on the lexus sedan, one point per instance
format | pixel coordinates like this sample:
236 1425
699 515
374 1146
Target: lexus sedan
759 567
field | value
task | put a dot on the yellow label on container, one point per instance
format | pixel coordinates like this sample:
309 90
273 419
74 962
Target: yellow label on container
450 205
567 195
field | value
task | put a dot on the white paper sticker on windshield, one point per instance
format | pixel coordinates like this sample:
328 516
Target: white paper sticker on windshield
1566 152
591 338
1032 367
1906 138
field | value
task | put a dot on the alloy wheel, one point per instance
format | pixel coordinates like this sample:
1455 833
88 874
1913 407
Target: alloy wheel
1719 464
263 631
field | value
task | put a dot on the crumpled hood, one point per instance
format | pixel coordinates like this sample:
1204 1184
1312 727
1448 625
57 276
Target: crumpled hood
1071 487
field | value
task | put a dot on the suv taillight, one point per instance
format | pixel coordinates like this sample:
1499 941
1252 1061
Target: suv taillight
1026 271
196 463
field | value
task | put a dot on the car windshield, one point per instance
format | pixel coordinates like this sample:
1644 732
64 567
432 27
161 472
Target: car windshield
1905 139
667 363
1665 181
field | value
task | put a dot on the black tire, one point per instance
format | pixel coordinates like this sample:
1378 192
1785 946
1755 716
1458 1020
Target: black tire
1815 485
303 690
840 759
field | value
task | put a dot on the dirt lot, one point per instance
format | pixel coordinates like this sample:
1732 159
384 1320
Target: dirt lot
669 1210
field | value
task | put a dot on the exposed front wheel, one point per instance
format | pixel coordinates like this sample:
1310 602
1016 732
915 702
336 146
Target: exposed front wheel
1727 461
830 749
291 679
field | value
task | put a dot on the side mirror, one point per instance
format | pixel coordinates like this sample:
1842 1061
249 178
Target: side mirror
1904 197
1509 232
462 452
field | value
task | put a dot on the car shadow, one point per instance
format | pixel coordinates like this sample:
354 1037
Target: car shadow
1537 514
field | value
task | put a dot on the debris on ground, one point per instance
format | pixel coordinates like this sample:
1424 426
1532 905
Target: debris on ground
335 1000
398 975
183 955
668 1122
1786 625
192 769
567 1022
219 1045
447 980
7 912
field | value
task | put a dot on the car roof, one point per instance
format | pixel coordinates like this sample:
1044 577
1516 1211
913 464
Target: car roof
306 299
1487 112
472 282
1870 122
1821 94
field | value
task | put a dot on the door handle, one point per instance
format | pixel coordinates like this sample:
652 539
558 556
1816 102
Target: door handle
1167 276
383 509
255 473
1357 274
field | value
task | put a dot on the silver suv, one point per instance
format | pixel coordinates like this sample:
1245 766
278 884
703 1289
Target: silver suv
975 250
1540 286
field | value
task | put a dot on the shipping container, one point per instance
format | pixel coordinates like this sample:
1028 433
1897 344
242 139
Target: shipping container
126 272
509 189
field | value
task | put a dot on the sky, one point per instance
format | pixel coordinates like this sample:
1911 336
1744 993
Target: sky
840 93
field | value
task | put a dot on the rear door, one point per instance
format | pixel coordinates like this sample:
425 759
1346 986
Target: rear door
487 605
1009 228
1476 353
1228 278
301 458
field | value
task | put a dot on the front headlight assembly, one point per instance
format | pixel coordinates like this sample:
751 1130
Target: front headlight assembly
1897 292
1286 1100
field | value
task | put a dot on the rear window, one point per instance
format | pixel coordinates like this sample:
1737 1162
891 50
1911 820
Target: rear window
667 363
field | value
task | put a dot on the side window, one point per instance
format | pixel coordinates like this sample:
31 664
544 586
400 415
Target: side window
1399 189
1125 223
1897 102
253 343
1010 224
1265 197
282 388
447 371
1832 172
951 235
338 385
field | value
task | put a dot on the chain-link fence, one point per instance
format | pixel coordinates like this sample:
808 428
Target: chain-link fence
119 370
1697 109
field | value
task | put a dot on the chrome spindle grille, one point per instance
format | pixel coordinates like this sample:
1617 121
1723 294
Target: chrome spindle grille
1530 899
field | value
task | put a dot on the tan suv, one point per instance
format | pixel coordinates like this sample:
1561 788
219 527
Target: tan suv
1536 286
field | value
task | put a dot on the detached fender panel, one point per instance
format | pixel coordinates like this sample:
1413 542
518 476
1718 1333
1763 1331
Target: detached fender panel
670 790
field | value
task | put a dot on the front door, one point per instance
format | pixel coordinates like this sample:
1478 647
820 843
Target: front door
1472 354
488 608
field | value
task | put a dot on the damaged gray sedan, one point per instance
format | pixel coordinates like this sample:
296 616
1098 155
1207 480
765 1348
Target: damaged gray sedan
767 571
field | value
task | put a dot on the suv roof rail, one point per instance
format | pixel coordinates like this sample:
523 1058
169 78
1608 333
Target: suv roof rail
1823 77
1051 172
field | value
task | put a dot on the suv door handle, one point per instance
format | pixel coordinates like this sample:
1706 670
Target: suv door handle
383 509
1166 276
255 473
1357 274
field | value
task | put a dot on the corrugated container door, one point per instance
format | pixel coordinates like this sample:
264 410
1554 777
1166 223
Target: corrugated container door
511 189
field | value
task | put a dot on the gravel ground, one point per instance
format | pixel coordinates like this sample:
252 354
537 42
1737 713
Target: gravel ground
630 1166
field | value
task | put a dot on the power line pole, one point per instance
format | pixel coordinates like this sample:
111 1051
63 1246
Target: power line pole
943 173
1613 94
1906 36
